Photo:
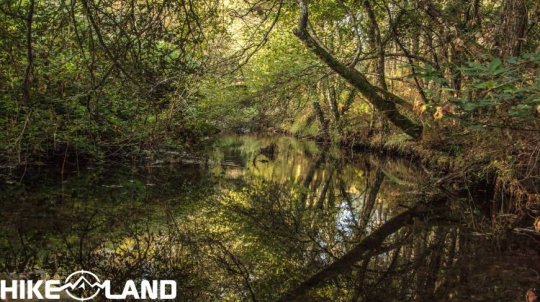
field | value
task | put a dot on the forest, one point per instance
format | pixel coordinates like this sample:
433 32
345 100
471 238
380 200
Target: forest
309 150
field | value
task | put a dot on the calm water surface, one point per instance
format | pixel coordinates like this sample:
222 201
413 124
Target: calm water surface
254 220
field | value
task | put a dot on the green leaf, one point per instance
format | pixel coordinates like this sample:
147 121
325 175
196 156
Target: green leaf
495 66
469 106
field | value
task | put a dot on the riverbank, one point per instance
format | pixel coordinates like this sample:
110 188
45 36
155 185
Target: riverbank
282 213
509 198
505 199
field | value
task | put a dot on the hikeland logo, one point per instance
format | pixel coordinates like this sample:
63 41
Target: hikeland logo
84 285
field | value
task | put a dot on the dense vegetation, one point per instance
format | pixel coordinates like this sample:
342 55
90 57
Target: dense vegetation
452 84
112 79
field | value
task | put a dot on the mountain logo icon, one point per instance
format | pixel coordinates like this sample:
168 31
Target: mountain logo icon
82 285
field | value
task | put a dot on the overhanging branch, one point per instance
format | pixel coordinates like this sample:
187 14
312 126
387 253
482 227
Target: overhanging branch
382 100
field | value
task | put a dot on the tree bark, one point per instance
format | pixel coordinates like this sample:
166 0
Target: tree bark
512 33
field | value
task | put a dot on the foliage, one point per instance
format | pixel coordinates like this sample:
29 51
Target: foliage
98 80
499 94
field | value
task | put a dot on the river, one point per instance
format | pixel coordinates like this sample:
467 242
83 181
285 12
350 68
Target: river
255 219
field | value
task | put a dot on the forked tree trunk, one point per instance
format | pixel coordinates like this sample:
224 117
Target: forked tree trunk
382 100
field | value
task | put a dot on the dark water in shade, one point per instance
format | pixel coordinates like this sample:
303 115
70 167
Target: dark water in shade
254 220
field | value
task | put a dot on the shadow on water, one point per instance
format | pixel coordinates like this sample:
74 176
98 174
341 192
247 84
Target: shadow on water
263 219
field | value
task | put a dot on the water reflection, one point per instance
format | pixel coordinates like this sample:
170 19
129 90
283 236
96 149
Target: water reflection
260 219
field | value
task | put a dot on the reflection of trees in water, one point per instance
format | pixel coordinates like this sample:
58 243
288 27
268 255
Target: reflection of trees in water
340 232
412 253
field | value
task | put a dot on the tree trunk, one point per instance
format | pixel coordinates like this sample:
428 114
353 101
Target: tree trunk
512 32
381 99
29 53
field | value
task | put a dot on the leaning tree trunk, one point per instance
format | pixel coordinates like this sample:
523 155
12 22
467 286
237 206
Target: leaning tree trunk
381 99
